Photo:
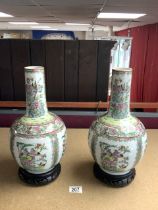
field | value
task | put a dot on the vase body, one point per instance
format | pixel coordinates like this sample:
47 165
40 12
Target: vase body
117 139
38 138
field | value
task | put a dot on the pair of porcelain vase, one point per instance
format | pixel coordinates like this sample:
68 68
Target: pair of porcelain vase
117 140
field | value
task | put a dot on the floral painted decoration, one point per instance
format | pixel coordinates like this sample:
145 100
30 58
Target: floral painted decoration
113 157
32 156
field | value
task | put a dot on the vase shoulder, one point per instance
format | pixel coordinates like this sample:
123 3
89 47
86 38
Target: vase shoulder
49 123
129 127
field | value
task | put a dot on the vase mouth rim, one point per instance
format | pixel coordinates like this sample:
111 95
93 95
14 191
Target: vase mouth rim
34 68
122 69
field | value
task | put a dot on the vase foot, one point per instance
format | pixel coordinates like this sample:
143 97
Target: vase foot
39 179
114 180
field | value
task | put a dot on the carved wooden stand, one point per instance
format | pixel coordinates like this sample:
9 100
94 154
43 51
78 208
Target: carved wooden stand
114 180
39 179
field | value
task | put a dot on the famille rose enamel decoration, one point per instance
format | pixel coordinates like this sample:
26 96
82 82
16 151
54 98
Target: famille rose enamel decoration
38 138
117 139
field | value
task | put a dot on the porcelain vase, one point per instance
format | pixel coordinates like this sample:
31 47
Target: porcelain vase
117 139
38 138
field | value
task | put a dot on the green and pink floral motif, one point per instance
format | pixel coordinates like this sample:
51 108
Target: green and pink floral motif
52 124
120 95
117 139
35 94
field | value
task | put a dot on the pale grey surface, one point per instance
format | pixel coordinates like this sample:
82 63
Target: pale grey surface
60 11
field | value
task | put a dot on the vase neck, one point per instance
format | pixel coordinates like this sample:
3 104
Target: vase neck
36 105
120 94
